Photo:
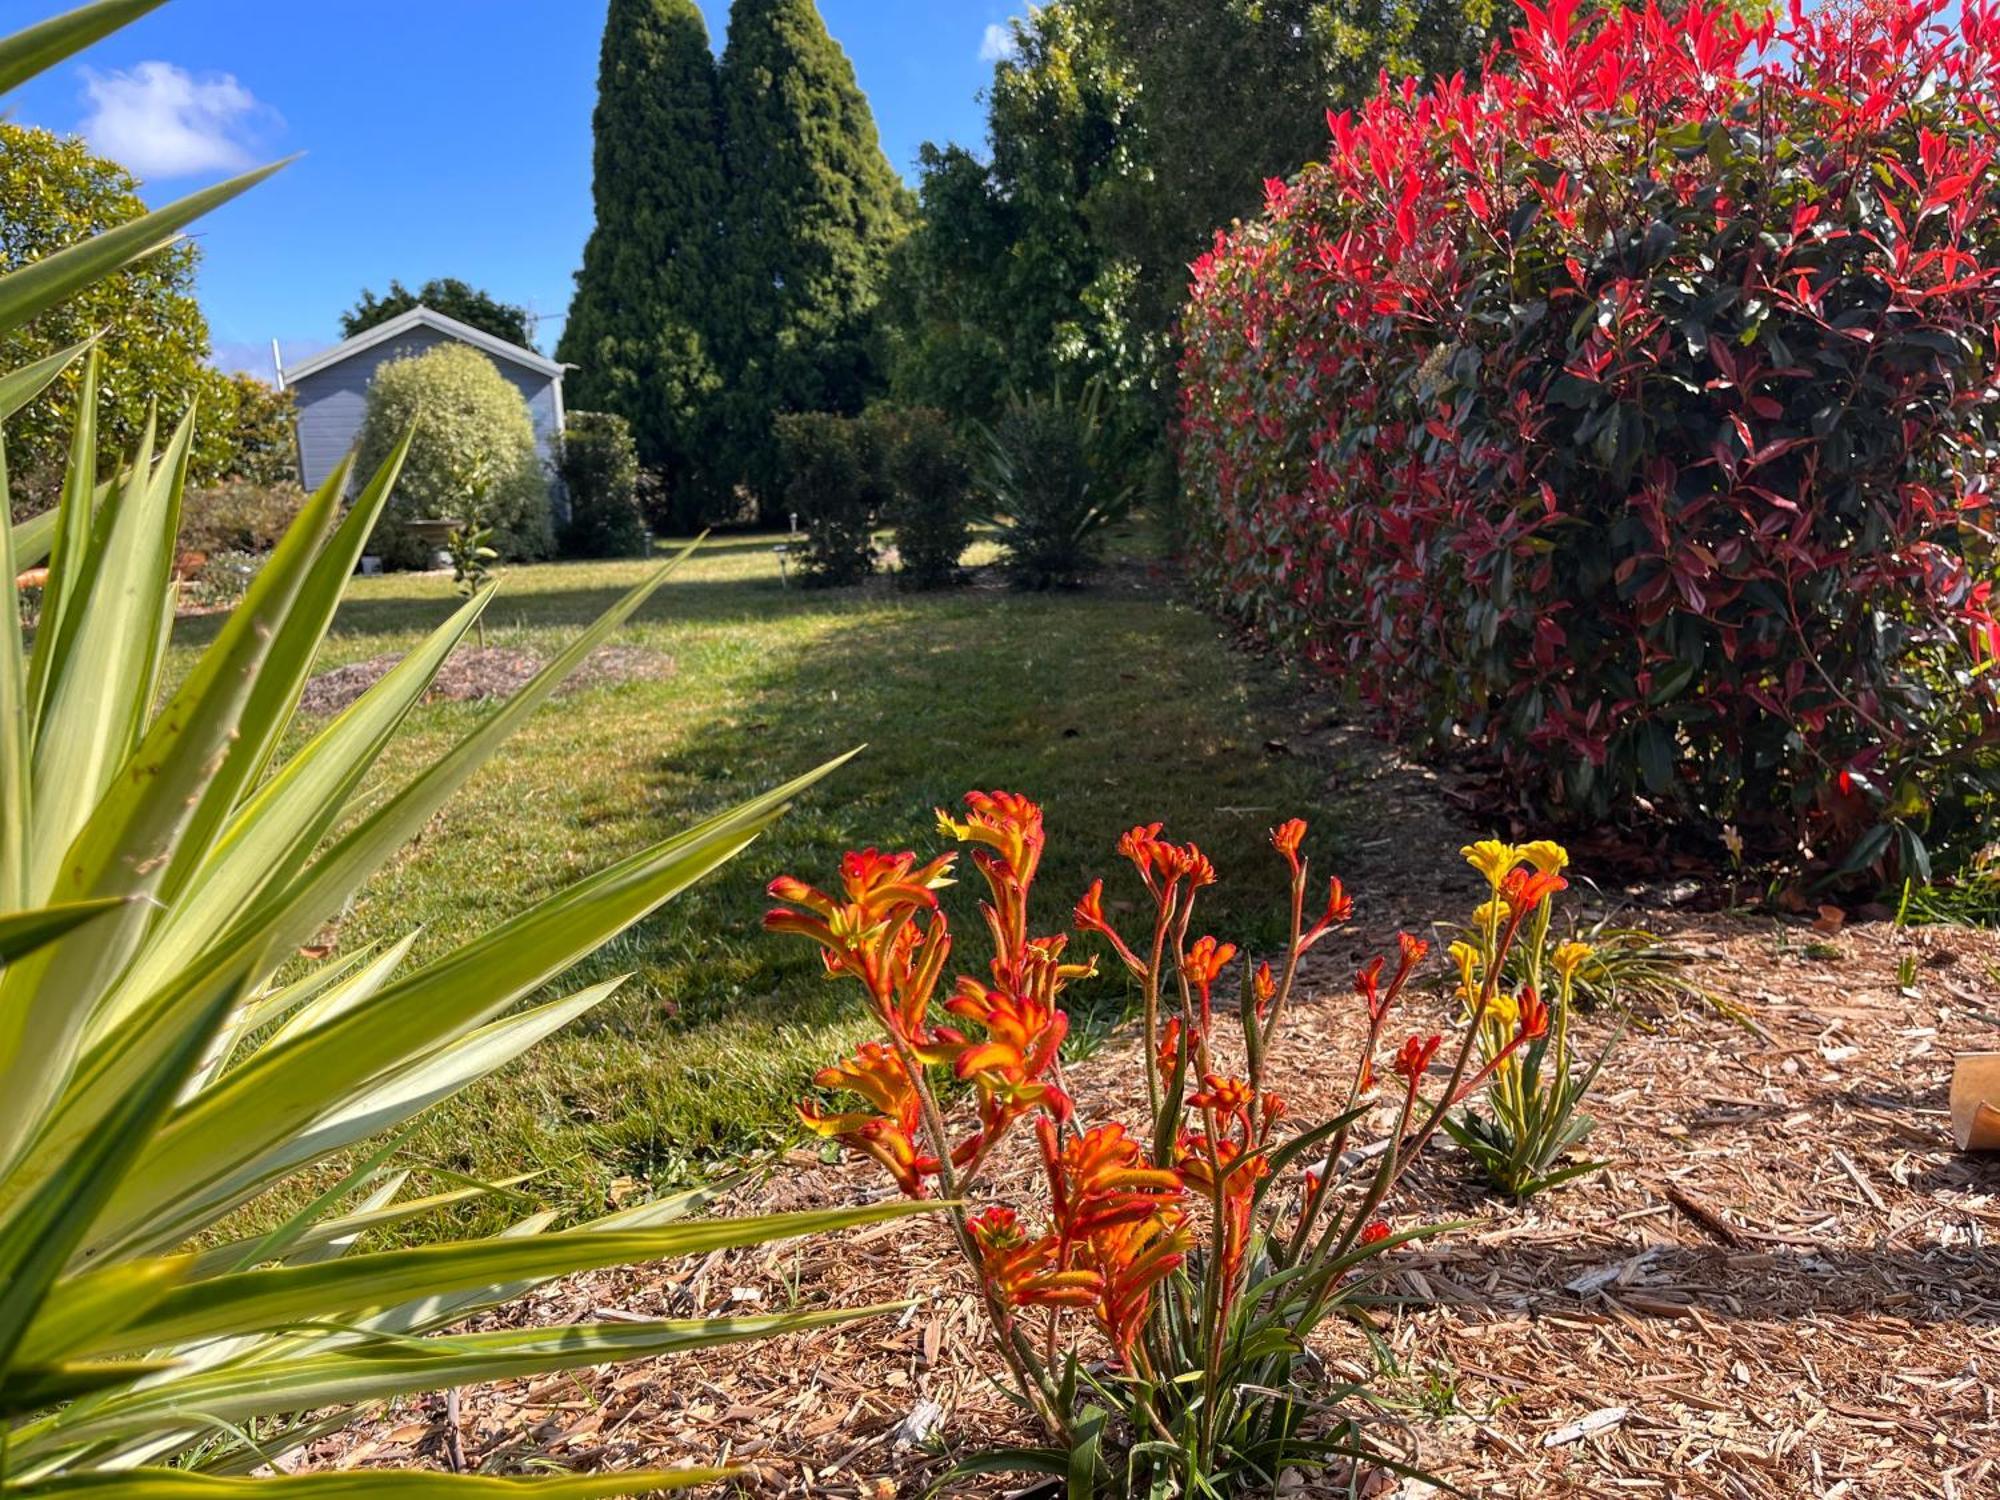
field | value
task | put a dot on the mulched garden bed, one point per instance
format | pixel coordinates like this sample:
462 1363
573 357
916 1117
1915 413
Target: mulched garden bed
473 673
1785 1283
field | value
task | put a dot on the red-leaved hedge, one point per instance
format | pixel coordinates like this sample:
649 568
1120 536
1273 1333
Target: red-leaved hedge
1632 414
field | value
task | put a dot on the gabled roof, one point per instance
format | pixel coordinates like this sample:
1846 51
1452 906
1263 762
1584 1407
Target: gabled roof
428 318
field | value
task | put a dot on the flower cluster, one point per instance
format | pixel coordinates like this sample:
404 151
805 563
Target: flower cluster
1632 405
1199 1248
886 930
1517 987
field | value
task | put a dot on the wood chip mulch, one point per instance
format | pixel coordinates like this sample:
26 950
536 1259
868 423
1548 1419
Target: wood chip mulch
1785 1283
474 673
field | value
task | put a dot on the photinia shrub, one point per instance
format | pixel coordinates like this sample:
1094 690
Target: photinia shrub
1632 415
1152 1305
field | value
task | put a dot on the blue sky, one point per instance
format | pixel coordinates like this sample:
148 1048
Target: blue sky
443 137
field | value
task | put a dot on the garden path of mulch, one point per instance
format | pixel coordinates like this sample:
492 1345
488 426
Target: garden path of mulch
473 673
1784 1285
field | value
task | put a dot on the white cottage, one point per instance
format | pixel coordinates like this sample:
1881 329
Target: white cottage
330 390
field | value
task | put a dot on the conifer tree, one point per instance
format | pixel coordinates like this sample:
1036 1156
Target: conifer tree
640 328
815 211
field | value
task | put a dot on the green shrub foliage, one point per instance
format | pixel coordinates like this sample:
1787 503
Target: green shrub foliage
600 474
245 430
833 482
930 476
1631 415
473 456
238 516
1052 473
54 193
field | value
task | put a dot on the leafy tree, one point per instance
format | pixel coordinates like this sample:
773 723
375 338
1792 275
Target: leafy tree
450 296
1005 284
54 193
472 455
815 212
1123 133
246 432
1230 93
640 326
944 330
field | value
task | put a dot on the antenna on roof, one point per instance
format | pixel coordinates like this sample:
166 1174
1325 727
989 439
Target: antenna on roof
278 363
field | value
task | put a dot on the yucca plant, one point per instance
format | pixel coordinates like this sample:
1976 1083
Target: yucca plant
165 1058
1049 475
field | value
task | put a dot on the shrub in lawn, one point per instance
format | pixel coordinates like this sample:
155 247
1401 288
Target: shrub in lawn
473 452
1153 1309
1531 1121
1631 414
1047 463
210 580
238 516
930 488
833 481
599 468
166 1055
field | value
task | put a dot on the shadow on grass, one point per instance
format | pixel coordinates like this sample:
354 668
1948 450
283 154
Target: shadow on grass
1110 709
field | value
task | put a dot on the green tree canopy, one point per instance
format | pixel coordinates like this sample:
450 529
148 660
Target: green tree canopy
448 295
641 326
1123 133
1005 284
53 193
246 432
472 459
814 213
1230 93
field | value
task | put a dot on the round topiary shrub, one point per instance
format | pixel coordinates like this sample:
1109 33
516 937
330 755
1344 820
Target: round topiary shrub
472 457
1632 415
599 467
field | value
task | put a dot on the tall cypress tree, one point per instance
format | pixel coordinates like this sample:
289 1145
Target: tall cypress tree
816 210
640 328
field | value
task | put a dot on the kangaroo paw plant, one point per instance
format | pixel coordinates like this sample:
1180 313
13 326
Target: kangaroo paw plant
1509 970
1151 1290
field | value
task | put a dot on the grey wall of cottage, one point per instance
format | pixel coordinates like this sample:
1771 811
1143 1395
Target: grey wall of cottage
331 402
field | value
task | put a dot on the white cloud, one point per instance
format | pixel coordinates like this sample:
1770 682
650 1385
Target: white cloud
998 43
159 120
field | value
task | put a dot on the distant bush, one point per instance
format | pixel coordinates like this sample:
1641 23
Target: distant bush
930 493
238 516
245 432
833 480
599 467
652 492
217 580
1631 414
1051 472
473 456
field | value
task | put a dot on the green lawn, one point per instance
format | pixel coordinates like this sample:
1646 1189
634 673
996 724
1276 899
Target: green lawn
1112 706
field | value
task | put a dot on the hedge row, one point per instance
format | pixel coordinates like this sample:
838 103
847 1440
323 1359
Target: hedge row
1631 414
